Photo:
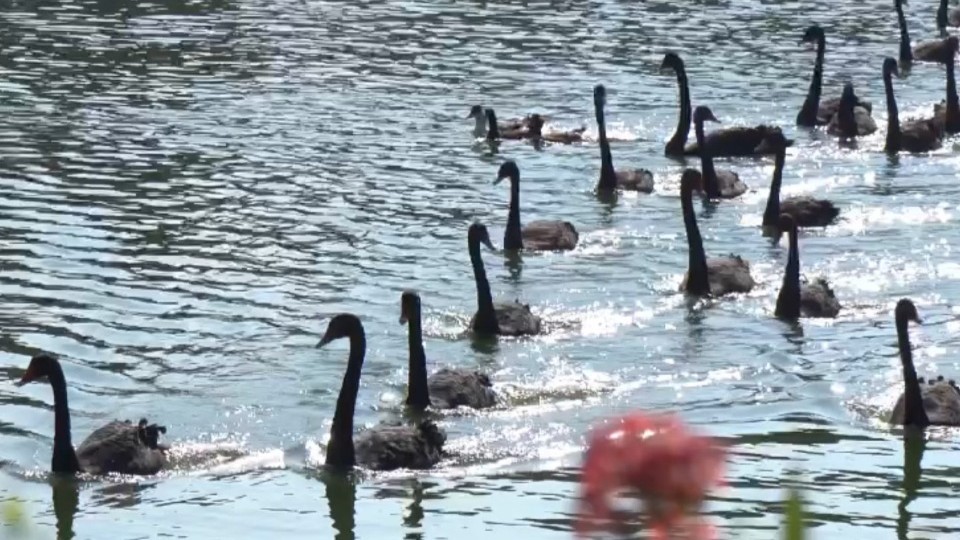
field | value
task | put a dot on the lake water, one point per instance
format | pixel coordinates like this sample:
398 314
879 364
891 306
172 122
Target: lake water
191 189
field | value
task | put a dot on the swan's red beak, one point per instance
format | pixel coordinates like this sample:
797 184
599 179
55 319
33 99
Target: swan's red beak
30 376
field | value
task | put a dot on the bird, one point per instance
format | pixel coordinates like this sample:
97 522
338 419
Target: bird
946 16
540 235
913 136
851 120
810 299
118 447
384 447
480 121
815 111
501 318
448 388
716 276
929 51
922 404
946 114
610 180
722 184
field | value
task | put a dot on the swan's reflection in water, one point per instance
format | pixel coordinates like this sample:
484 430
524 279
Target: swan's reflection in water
413 517
341 493
66 498
914 444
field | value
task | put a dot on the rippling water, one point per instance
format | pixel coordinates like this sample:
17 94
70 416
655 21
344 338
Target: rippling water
191 188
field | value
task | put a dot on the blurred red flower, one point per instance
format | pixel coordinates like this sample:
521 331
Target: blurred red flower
663 463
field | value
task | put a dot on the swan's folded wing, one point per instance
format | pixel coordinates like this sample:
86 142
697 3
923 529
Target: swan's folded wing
390 447
118 447
550 235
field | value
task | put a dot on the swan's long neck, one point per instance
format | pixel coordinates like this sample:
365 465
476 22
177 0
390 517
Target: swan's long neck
953 104
847 117
698 282
906 55
479 126
493 130
788 301
340 453
893 117
418 393
913 411
64 457
513 236
811 106
772 213
679 139
706 162
608 178
486 320
942 14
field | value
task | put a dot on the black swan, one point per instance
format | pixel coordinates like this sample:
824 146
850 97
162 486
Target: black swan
946 16
503 318
805 211
448 388
947 112
913 136
535 127
733 141
723 184
930 51
814 111
716 276
540 235
480 122
851 120
118 447
384 447
921 404
495 132
610 179
813 299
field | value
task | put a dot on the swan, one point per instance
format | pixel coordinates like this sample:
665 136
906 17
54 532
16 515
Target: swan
723 184
448 388
535 127
716 276
814 111
914 136
118 447
733 141
850 119
935 403
946 16
503 318
540 235
610 179
813 299
383 447
480 121
805 211
947 112
930 51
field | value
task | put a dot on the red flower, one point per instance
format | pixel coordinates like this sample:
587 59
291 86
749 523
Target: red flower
657 458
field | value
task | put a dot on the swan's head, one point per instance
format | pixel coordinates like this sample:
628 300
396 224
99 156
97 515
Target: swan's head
343 325
534 122
478 234
787 224
774 142
848 96
599 95
890 68
509 170
671 61
703 114
907 312
409 306
41 366
476 112
691 180
812 35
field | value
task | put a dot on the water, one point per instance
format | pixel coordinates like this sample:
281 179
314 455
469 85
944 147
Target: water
191 189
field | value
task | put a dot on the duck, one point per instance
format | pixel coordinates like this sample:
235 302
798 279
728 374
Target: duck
817 112
448 388
480 122
851 120
722 184
501 318
947 112
540 235
535 127
118 447
384 447
922 404
810 299
804 210
716 276
929 51
946 16
610 179
913 136
494 132
733 141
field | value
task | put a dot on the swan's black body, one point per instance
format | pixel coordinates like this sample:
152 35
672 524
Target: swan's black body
118 447
384 447
540 235
813 299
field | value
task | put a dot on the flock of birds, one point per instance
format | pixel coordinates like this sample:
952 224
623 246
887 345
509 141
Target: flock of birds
125 447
